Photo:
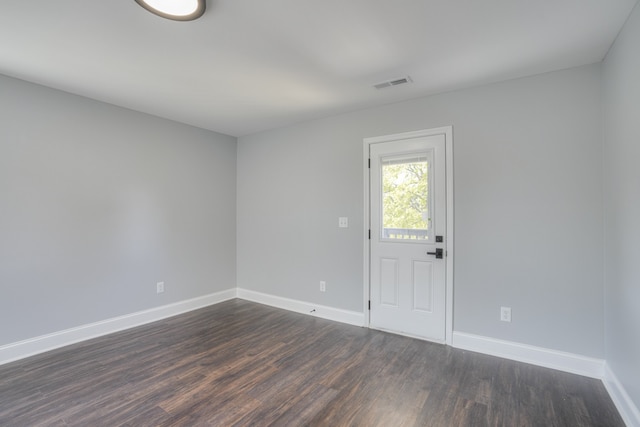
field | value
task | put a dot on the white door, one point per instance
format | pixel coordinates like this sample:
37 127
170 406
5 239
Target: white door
407 245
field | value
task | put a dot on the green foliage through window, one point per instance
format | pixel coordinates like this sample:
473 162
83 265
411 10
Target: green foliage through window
405 195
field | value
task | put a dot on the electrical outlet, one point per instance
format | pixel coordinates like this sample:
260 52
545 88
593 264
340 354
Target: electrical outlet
323 286
505 314
343 222
160 287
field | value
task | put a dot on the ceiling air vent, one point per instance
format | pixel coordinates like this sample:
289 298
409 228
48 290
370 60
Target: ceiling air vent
394 82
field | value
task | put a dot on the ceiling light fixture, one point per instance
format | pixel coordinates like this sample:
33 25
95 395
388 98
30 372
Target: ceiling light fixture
178 10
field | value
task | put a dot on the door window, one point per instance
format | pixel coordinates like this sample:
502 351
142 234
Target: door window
407 197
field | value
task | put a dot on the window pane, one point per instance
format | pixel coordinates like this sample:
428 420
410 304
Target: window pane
405 199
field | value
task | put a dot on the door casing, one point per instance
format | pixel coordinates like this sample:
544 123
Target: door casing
447 131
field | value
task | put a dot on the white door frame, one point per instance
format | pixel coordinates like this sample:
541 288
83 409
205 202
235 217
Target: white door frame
447 131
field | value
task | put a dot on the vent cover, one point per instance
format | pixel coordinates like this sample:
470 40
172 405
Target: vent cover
394 82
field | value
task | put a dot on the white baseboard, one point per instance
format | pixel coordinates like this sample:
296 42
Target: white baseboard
628 410
41 344
330 313
567 362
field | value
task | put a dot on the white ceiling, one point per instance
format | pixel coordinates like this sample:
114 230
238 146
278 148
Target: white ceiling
252 65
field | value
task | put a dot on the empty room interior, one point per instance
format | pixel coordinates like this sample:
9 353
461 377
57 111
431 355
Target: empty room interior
418 212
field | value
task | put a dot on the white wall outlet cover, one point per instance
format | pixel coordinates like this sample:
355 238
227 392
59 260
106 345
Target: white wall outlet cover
505 314
160 287
343 222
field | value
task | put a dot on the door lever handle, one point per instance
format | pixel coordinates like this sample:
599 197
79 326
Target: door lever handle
438 253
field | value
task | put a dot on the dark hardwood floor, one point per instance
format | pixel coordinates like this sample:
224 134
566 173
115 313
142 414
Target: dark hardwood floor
244 364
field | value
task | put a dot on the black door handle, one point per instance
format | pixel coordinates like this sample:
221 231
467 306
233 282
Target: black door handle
438 253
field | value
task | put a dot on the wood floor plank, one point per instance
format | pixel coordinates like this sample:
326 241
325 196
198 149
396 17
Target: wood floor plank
243 364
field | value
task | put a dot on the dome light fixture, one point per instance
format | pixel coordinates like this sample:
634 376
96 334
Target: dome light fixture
178 10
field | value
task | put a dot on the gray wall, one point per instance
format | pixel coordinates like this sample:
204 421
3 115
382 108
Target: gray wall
98 203
621 77
528 207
